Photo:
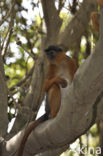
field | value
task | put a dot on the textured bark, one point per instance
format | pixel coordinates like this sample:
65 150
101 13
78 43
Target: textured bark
3 101
80 101
81 104
53 23
76 28
55 152
35 94
52 20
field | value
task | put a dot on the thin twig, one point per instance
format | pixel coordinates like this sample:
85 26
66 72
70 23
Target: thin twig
30 54
8 14
23 80
7 43
9 32
61 5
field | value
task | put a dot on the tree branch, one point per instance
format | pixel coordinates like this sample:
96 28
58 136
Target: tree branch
33 98
20 83
61 4
3 101
76 28
9 32
54 152
52 20
81 104
8 14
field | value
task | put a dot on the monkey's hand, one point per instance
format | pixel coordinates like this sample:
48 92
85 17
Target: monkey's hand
60 81
57 80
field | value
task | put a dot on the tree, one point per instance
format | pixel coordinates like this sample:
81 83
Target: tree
81 104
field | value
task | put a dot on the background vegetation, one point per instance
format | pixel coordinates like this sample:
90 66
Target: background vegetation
22 40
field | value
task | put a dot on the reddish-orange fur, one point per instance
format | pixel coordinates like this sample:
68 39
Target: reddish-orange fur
52 85
27 133
52 81
94 17
100 2
54 99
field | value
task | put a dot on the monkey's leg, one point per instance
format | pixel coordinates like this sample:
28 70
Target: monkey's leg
54 100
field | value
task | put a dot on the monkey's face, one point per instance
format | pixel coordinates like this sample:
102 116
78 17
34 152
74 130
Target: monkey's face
52 51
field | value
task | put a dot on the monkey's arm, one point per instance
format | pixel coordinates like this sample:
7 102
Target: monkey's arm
52 79
54 93
56 80
52 89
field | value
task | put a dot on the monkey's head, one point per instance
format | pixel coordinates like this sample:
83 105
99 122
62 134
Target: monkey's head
52 51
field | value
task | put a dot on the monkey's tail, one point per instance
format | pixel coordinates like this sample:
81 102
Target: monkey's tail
27 133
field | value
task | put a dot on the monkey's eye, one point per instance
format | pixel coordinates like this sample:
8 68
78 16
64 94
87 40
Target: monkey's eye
52 52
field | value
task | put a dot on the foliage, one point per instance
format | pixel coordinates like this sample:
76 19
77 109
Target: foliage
24 46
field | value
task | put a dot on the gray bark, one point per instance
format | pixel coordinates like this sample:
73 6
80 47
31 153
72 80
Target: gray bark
82 104
76 28
3 101
51 134
52 20
34 96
